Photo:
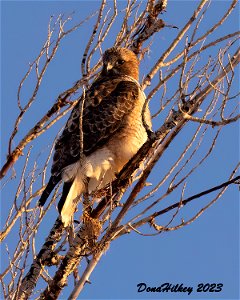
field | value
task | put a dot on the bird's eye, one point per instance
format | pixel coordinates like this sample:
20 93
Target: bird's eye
120 62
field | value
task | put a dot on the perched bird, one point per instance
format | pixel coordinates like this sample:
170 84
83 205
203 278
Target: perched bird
112 132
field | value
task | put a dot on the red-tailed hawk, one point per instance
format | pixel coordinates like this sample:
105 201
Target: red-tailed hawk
112 132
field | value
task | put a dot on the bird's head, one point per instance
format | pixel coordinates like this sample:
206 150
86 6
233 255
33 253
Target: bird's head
120 61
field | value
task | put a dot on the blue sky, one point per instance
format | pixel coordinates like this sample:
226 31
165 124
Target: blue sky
206 251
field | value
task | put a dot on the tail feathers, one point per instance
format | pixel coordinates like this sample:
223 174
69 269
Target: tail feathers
65 191
70 198
53 181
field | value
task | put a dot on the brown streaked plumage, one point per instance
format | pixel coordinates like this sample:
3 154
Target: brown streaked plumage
112 132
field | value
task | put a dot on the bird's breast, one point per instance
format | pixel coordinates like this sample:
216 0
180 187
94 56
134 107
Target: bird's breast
129 139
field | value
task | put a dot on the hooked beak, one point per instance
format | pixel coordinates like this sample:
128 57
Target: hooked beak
109 66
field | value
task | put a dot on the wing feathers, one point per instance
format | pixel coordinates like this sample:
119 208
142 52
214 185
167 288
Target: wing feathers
100 121
65 191
53 181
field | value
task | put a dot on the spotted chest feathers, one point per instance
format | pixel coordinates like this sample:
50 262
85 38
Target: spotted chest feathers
102 166
131 136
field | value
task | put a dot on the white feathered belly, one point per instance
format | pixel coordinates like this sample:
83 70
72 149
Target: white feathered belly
101 167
